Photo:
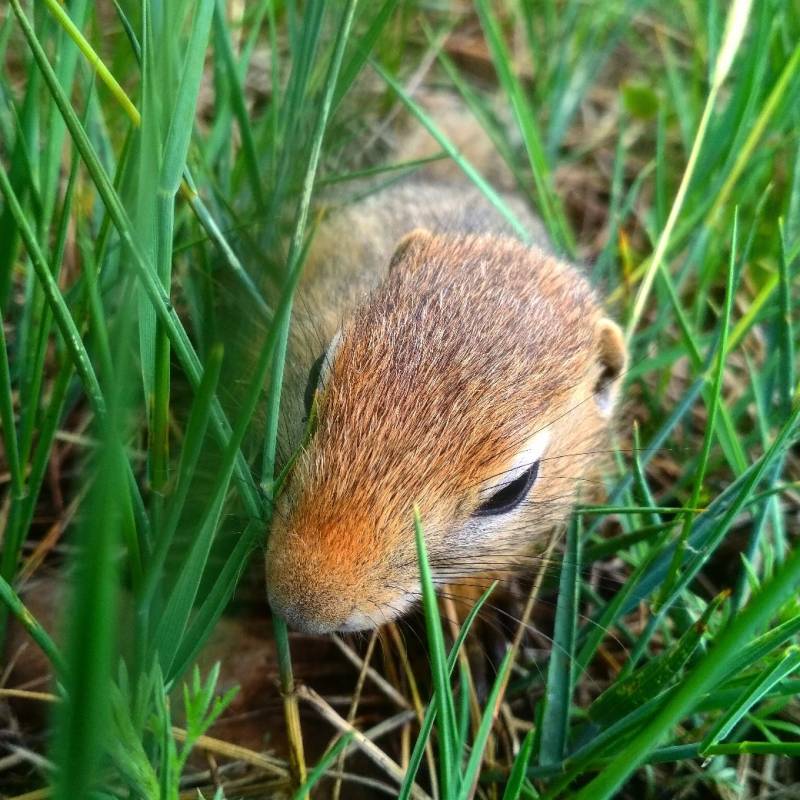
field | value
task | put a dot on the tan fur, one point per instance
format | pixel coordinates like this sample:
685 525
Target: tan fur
453 354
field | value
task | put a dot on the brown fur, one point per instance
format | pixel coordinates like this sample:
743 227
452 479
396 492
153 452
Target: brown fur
470 346
458 343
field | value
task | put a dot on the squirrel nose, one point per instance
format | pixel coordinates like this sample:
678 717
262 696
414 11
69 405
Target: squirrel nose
306 610
299 616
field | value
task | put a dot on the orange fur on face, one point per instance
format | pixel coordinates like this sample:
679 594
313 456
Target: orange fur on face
470 346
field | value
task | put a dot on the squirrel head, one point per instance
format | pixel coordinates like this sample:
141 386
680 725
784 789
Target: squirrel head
478 381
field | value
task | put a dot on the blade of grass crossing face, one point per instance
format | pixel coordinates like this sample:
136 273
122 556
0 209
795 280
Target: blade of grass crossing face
297 249
281 330
558 692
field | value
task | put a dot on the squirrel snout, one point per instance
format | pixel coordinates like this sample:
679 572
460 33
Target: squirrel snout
307 609
314 597
299 615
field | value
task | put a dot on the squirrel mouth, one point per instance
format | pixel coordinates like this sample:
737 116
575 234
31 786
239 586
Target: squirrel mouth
323 618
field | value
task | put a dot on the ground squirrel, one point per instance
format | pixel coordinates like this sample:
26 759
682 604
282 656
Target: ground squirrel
462 370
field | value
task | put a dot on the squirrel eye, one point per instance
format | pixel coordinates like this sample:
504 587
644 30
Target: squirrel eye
320 371
313 382
511 495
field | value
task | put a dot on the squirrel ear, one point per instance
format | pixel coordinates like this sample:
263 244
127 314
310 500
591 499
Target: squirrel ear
612 358
411 244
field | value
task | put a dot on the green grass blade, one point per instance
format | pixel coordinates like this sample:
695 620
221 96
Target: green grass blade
469 170
759 687
706 674
190 453
472 771
83 725
549 204
448 758
321 767
353 66
214 602
11 449
555 719
181 120
418 751
516 777
222 40
787 349
714 403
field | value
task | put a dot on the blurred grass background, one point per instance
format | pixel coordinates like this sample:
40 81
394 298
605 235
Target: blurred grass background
161 172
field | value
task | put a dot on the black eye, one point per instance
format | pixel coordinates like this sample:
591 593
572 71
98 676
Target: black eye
511 495
313 382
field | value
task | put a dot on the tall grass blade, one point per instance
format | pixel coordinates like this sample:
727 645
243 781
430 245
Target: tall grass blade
557 702
448 732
